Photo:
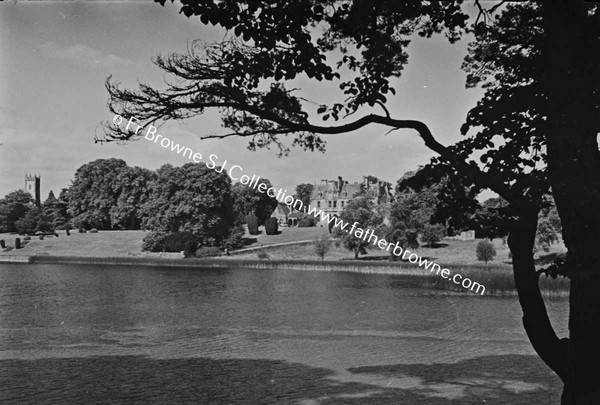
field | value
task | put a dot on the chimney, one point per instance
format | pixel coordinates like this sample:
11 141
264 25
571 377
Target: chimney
340 184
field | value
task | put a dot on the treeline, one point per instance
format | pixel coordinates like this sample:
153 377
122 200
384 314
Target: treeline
431 204
197 203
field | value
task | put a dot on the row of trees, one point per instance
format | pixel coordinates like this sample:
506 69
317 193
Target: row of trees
109 194
435 208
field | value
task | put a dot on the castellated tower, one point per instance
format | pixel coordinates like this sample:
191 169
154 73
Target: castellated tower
32 186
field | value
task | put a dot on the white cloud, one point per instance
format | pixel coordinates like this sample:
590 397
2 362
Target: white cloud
84 54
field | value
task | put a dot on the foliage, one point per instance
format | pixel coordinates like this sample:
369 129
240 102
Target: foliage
491 220
322 245
13 207
303 193
2 244
249 200
172 242
432 233
331 224
132 188
180 241
29 223
361 211
152 241
448 198
263 255
545 235
92 192
306 223
93 230
485 251
17 243
271 226
208 251
252 222
194 199
411 215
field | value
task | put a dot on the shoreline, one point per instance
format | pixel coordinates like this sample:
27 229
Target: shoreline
382 267
498 280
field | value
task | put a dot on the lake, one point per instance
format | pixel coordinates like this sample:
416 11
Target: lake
140 335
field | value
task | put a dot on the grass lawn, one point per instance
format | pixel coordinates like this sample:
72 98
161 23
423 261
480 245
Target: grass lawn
448 251
286 234
101 244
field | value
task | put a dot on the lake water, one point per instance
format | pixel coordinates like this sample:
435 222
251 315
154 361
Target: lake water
138 335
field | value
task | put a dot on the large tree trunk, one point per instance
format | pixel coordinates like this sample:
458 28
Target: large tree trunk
535 317
572 60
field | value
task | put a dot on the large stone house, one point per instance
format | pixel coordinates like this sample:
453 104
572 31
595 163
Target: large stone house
331 196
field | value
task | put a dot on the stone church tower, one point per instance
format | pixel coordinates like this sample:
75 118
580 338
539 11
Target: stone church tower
32 186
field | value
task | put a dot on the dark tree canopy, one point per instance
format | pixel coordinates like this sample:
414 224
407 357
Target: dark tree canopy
248 200
194 199
304 192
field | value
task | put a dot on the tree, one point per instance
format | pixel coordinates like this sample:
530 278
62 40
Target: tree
534 129
545 235
485 251
322 245
56 210
303 193
92 193
361 213
193 199
491 220
13 207
29 223
432 233
249 200
252 222
411 215
132 188
271 226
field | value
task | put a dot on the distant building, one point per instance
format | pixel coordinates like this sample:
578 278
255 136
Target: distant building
331 196
32 186
282 213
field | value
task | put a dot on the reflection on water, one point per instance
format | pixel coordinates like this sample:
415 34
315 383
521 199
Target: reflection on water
144 335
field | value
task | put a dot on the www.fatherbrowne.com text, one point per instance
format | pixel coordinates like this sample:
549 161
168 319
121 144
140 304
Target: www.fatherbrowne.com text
235 172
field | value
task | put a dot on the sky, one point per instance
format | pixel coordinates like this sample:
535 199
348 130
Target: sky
56 56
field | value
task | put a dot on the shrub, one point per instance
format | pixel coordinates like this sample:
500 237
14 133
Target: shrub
2 244
263 255
485 251
271 226
322 246
305 223
331 225
68 231
252 221
432 234
208 251
17 243
93 230
180 241
153 242
41 237
27 237
81 229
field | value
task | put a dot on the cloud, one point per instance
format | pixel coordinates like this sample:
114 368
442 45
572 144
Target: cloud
84 54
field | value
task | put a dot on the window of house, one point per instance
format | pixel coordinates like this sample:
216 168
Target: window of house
342 204
318 204
329 204
335 204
